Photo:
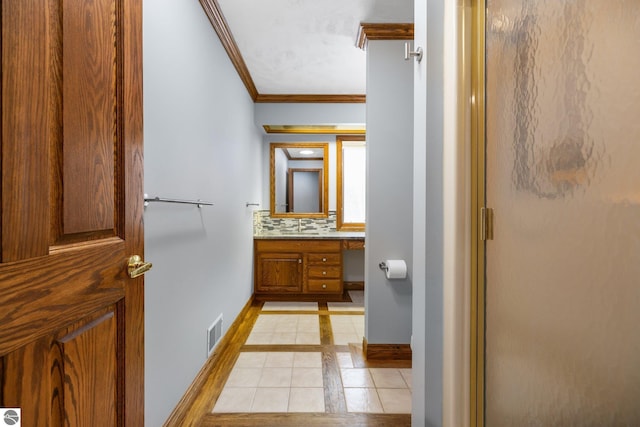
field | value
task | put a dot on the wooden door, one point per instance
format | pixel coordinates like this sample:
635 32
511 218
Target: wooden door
71 320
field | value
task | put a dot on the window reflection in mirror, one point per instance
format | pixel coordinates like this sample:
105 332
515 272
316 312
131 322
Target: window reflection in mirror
299 180
351 183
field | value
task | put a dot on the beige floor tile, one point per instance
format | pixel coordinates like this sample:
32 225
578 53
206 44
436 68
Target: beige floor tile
251 360
395 400
357 297
244 377
271 400
362 400
340 320
306 400
345 360
278 360
265 324
283 338
345 339
289 305
275 377
306 323
308 338
235 400
307 360
407 375
343 328
307 377
344 306
258 338
356 378
288 326
387 378
343 324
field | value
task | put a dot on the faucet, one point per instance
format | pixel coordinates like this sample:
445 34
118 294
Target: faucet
299 225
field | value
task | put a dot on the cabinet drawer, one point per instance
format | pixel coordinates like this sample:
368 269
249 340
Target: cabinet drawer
329 271
321 259
329 285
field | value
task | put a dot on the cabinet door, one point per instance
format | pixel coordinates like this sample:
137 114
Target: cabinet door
279 272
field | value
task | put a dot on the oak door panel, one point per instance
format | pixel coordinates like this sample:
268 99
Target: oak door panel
89 120
72 321
68 380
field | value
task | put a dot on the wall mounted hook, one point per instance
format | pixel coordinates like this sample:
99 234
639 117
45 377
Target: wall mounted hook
408 53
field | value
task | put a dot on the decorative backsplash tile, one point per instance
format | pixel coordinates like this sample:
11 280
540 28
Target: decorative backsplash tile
264 224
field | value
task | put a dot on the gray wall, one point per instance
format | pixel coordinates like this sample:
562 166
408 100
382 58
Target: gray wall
200 142
389 191
309 114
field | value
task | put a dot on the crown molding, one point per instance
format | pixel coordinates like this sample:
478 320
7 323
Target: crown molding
309 98
316 129
220 26
383 31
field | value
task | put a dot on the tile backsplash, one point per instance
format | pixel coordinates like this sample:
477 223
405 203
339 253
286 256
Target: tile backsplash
264 224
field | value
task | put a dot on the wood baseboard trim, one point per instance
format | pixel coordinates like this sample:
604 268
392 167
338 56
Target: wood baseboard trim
191 401
386 351
354 286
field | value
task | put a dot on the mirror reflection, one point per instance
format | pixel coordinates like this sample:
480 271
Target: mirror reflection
299 179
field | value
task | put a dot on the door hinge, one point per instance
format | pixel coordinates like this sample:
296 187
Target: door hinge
486 224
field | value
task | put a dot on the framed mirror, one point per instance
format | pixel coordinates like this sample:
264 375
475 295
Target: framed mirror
299 179
351 182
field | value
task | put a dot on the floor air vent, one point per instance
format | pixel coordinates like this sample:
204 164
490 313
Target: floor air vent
214 333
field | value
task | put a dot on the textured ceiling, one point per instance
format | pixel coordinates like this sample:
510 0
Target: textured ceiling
307 46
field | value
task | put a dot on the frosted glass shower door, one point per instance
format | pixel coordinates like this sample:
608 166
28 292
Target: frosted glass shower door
562 340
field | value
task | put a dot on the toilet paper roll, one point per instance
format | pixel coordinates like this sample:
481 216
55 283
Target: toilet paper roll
396 269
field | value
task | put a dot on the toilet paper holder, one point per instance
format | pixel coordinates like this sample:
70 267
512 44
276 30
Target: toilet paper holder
394 268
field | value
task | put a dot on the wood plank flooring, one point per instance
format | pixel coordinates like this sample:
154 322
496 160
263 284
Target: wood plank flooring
196 407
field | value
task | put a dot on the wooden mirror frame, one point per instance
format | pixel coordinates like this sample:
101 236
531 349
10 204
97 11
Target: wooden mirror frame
324 209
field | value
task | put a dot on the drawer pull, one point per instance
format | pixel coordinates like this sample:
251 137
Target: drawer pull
324 286
324 273
299 261
324 260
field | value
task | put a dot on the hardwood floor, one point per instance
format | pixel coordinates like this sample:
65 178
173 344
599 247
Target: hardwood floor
337 355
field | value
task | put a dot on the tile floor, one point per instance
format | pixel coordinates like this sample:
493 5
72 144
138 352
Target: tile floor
284 380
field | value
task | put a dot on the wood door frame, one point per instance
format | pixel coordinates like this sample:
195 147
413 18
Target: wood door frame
132 140
478 201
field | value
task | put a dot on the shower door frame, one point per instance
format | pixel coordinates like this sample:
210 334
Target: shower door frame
478 201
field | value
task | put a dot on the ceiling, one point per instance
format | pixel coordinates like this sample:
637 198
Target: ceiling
301 47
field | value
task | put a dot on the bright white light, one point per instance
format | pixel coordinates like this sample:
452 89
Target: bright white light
306 152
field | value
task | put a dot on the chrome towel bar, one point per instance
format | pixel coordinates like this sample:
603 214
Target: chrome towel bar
198 202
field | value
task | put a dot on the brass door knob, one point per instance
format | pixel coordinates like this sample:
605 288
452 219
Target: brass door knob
137 267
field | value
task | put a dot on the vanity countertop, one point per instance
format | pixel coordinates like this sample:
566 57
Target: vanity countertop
330 235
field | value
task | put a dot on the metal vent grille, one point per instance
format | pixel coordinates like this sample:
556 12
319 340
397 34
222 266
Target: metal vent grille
214 333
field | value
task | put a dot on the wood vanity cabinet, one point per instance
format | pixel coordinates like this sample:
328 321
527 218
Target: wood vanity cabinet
305 266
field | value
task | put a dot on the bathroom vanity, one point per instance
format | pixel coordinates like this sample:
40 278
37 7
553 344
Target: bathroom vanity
302 264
